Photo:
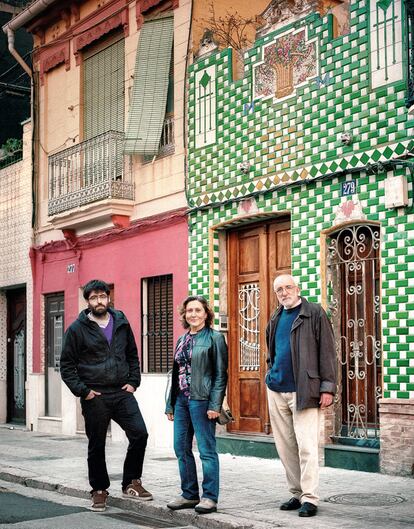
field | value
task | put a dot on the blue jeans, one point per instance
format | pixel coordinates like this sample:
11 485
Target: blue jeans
190 417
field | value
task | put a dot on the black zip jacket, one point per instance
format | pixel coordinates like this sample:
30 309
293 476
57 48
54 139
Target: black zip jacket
89 362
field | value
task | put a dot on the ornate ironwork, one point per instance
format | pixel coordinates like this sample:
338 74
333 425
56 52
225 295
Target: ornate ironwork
89 171
19 369
353 287
249 312
409 18
57 340
167 145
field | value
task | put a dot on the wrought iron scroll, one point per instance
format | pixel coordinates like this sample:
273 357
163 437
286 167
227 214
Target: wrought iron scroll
19 369
353 287
249 312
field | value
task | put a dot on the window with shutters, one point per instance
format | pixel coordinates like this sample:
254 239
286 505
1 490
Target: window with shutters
150 128
103 87
157 323
166 145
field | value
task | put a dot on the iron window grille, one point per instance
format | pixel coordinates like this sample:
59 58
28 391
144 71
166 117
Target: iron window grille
157 323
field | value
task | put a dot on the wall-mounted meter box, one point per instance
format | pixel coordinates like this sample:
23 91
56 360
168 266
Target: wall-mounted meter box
396 191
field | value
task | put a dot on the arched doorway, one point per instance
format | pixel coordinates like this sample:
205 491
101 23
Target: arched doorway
353 264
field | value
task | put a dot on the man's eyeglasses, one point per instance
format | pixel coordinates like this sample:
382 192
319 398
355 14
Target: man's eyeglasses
287 288
100 297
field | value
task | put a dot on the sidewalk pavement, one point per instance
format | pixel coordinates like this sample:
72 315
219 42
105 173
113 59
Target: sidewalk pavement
250 493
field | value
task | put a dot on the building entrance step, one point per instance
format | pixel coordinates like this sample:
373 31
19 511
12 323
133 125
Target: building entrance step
246 445
352 457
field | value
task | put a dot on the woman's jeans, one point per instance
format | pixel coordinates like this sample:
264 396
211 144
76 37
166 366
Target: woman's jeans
121 407
190 417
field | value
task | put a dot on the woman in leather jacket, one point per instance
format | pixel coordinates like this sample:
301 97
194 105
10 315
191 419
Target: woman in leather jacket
199 379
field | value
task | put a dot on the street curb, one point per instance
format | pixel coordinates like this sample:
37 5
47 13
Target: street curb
149 508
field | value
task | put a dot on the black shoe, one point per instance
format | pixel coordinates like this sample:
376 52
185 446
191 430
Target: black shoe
290 505
308 509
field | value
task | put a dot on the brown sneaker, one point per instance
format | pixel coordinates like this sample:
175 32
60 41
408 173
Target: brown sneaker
99 498
136 491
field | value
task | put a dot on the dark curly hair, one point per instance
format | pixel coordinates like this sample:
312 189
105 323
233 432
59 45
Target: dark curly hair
182 308
95 284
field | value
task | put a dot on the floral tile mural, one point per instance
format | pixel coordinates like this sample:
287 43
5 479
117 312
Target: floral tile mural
288 62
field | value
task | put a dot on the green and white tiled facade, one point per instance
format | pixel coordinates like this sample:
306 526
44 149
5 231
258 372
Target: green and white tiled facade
298 163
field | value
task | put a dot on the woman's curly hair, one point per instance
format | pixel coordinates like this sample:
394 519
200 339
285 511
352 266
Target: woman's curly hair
182 308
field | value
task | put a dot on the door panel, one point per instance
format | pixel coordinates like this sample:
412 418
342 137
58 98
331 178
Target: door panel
255 256
249 255
16 355
54 336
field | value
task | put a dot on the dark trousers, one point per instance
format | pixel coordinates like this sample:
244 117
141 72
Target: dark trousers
121 407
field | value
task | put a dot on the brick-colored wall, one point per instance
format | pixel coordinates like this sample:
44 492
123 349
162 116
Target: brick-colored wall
397 436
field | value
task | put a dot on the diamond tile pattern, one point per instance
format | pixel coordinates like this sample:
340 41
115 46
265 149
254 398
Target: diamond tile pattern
297 163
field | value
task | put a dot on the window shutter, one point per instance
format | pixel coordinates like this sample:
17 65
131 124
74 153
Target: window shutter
149 95
104 91
158 324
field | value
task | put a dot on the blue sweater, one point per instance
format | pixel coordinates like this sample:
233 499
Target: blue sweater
280 378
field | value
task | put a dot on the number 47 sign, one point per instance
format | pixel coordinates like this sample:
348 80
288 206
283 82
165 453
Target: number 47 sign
348 188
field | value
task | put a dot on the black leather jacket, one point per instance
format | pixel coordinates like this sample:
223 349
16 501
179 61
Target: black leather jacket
209 363
88 362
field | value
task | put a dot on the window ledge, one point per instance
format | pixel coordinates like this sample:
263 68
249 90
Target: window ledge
92 214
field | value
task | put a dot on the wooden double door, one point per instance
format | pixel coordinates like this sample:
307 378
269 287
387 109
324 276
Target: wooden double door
256 255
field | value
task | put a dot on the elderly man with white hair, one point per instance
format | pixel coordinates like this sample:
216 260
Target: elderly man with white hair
301 379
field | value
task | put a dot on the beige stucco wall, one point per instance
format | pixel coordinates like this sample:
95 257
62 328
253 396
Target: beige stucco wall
202 15
15 242
159 186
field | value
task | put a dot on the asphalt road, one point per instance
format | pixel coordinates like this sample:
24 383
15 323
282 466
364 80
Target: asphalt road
26 508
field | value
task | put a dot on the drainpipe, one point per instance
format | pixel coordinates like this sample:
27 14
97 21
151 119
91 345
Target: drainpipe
13 51
10 37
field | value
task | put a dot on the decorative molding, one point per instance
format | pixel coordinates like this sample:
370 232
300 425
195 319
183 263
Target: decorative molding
101 237
247 207
66 17
40 33
100 23
51 57
288 62
120 221
70 236
282 12
158 6
74 9
386 42
349 210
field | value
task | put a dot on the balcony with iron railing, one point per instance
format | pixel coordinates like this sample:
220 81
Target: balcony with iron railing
88 172
166 145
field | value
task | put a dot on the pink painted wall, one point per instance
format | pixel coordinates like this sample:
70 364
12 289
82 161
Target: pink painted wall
122 262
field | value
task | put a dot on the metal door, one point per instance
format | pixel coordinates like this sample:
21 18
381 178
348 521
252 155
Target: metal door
16 355
54 336
353 270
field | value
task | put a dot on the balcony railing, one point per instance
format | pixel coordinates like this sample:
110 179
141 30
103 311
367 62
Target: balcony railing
166 145
87 172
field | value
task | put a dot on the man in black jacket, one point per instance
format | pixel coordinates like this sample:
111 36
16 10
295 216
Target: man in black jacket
99 364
